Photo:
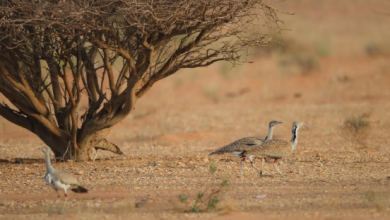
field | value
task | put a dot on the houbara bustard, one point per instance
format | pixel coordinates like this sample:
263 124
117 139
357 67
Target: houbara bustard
60 180
273 149
247 142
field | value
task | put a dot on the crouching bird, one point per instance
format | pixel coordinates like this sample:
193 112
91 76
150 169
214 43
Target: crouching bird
59 180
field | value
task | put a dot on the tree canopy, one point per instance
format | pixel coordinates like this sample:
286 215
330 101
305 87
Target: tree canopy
55 53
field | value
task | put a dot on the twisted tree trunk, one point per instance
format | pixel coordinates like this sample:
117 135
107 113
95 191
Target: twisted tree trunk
52 53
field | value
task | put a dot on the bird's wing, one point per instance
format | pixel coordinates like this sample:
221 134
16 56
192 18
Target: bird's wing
276 148
248 143
263 148
65 178
238 144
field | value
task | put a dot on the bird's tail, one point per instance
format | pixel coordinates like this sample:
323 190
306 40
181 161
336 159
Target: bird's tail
216 152
80 189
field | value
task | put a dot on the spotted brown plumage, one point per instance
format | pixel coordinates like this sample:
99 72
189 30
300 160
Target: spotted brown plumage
246 142
243 142
274 149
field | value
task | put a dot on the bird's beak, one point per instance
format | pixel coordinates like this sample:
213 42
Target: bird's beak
279 122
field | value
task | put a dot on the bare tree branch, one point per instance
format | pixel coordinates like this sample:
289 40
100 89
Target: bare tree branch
108 67
81 44
16 117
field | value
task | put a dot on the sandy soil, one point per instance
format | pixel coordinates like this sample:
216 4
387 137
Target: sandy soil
182 119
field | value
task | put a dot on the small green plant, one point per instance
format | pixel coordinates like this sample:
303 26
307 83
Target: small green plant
356 123
212 204
198 200
183 197
356 129
224 183
208 200
374 199
212 168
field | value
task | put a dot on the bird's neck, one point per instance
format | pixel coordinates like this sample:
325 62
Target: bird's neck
270 134
294 138
49 167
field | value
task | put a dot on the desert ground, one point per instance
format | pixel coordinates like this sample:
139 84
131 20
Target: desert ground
333 65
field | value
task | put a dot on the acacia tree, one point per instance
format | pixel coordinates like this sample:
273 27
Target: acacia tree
55 53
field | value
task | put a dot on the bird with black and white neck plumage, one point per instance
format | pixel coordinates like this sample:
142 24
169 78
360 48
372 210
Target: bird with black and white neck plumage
274 149
60 180
246 142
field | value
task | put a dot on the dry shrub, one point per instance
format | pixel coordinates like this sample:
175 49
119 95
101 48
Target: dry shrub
356 129
300 64
56 55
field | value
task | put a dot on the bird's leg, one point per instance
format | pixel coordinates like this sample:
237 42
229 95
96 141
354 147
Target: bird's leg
262 166
276 167
95 154
252 164
263 160
63 207
241 165
55 202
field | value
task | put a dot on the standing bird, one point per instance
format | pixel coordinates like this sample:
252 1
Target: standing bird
60 180
247 142
274 149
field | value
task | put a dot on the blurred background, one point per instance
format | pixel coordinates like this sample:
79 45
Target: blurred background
329 67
